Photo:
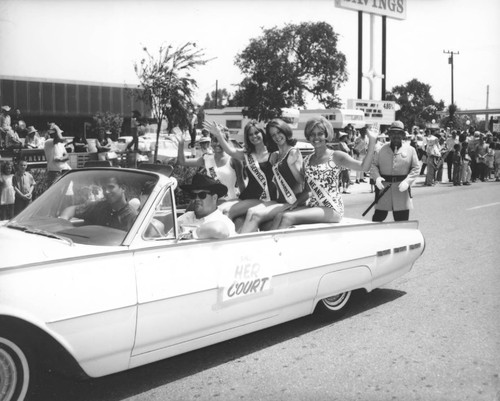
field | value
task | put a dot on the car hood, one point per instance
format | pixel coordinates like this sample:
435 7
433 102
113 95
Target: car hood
18 248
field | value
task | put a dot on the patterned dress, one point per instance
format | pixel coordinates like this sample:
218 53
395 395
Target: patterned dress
326 176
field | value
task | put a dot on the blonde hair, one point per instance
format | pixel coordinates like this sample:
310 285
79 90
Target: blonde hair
321 122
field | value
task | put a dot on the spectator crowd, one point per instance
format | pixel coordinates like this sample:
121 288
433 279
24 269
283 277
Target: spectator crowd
268 180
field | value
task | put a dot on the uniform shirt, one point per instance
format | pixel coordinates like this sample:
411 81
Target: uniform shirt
402 162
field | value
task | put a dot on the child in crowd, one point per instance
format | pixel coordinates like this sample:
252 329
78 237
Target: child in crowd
24 184
457 163
7 197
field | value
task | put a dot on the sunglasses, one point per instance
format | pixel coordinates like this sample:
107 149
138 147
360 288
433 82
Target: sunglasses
201 195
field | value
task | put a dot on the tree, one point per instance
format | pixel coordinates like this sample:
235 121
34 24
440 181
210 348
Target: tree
417 104
107 122
223 99
166 85
282 65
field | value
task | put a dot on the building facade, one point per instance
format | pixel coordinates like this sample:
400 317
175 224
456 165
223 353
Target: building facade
70 104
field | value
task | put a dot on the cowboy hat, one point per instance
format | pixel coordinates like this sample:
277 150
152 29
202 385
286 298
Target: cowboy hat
201 181
6 108
397 127
342 134
31 130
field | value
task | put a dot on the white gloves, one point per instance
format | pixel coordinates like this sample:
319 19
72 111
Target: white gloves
403 186
378 183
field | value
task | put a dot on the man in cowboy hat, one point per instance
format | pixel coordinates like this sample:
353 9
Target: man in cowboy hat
56 155
396 165
205 221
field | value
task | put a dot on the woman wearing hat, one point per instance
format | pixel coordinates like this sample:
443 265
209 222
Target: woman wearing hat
395 164
32 140
321 202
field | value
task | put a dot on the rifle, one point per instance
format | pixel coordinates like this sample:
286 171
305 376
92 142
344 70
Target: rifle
381 193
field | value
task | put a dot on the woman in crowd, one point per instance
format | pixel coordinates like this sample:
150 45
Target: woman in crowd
287 164
32 140
321 202
103 144
218 165
256 158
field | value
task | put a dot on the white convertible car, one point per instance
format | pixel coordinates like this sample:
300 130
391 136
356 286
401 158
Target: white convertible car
81 296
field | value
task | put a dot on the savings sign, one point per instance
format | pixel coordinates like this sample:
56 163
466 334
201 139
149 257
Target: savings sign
247 277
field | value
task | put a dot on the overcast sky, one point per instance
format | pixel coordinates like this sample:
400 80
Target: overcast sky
99 40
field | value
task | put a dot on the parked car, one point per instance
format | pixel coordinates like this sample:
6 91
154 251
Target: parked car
91 299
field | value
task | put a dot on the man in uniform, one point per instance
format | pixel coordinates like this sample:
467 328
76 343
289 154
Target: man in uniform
395 165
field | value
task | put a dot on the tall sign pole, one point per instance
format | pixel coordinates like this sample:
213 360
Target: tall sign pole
392 9
450 61
384 56
360 54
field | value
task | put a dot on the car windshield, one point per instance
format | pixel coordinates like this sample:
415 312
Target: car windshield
93 206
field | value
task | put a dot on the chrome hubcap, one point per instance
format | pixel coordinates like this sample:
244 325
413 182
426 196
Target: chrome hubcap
8 375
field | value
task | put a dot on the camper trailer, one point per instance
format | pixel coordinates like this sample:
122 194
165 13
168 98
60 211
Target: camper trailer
233 119
339 118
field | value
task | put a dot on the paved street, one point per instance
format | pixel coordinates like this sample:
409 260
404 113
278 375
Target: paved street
431 335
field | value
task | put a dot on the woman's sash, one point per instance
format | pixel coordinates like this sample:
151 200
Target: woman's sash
281 182
318 191
259 176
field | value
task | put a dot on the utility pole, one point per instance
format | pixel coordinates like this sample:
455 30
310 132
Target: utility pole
450 61
216 89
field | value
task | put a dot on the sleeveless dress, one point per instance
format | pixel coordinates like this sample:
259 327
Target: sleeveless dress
253 190
224 174
326 176
286 173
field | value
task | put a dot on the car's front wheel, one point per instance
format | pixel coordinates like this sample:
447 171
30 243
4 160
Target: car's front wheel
15 370
333 307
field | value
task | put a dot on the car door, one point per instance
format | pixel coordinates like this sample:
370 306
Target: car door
192 293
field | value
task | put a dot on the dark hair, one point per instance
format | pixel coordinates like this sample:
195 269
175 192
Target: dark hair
252 126
456 146
284 128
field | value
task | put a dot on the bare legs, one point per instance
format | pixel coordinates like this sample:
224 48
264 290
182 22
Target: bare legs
305 215
260 214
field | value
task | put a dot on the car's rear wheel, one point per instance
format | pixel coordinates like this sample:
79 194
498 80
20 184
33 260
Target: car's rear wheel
333 307
16 367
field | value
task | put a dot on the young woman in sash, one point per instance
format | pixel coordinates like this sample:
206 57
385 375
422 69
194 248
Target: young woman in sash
219 165
287 164
258 169
321 202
